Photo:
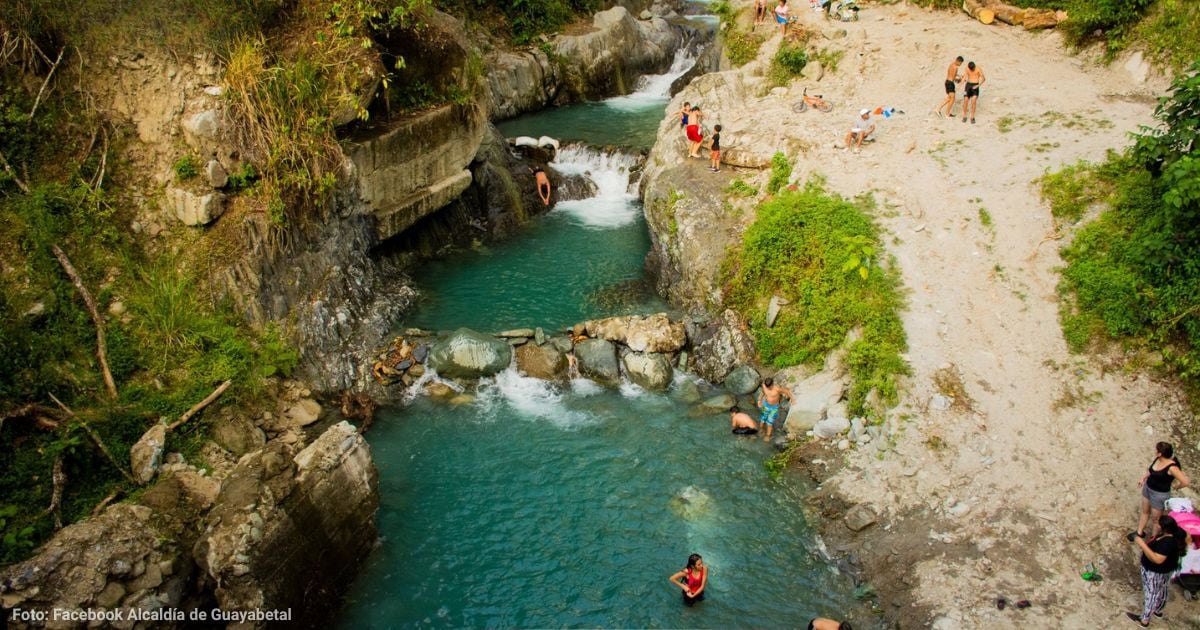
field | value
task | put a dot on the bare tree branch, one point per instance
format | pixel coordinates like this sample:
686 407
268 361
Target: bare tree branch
38 100
60 482
95 437
200 405
108 499
13 174
101 351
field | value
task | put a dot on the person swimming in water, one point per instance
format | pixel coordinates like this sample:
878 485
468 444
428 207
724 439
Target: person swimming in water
769 401
692 580
741 423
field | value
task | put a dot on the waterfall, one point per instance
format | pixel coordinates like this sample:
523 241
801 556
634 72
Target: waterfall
655 88
615 202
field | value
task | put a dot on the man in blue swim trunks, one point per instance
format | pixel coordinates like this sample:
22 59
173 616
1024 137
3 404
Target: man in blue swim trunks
769 400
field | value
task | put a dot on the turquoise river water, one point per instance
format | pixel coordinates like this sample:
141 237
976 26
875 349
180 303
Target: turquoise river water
539 505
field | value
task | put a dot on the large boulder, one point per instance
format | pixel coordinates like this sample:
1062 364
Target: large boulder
721 346
651 333
597 360
470 354
237 434
146 454
607 59
192 208
742 380
649 369
292 526
545 362
125 558
811 399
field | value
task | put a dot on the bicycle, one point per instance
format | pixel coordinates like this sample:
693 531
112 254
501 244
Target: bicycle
818 102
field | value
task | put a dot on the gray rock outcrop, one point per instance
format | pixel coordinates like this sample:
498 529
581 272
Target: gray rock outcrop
469 354
192 208
292 525
146 454
742 380
721 346
602 62
650 370
598 361
811 399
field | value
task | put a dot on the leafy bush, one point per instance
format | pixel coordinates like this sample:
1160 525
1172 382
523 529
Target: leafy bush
781 170
1133 274
741 47
169 350
185 168
787 64
1112 19
740 188
800 247
1169 33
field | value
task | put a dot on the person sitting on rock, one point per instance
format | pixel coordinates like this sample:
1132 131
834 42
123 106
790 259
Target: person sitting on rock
741 422
543 185
860 129
769 401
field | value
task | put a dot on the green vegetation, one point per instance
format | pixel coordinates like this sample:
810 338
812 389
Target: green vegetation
312 78
781 170
1165 27
829 58
1133 274
523 20
169 341
985 217
185 168
788 63
741 47
739 188
821 253
1072 190
780 461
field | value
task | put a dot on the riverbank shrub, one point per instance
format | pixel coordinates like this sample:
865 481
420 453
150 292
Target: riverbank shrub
1133 274
800 247
787 64
170 342
524 21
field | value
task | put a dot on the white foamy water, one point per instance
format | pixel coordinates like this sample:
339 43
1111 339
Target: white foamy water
529 397
654 89
614 204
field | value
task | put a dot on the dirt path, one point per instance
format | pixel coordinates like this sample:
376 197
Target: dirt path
1032 474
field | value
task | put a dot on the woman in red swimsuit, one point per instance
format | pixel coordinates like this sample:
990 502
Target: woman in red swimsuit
692 580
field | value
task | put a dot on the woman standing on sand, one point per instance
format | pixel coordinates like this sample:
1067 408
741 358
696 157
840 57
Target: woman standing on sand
1156 485
692 580
1160 558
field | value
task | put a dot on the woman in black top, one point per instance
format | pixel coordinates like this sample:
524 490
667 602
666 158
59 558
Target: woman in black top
1156 485
1160 557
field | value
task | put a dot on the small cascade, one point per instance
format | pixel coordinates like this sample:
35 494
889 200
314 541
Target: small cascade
653 89
614 204
659 85
529 397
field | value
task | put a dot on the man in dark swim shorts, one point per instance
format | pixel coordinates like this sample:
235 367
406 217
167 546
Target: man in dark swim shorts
952 79
974 79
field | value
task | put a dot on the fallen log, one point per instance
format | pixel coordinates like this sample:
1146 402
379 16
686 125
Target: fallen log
200 405
101 349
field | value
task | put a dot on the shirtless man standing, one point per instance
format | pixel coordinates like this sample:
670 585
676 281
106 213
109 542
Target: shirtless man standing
769 400
741 423
952 78
975 79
